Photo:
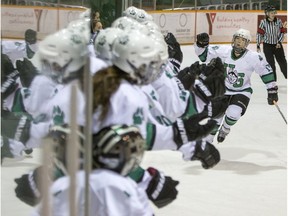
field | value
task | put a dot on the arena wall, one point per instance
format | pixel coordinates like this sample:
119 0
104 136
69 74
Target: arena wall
185 24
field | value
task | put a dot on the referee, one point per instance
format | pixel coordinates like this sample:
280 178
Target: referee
271 32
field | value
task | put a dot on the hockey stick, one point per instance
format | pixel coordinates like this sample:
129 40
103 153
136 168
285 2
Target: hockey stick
195 24
88 89
278 108
44 173
72 152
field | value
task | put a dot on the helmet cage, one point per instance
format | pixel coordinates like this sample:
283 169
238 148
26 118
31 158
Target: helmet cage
119 148
135 54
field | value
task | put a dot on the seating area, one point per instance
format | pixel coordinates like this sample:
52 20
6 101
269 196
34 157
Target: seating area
207 4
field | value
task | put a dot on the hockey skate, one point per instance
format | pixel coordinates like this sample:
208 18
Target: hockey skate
223 132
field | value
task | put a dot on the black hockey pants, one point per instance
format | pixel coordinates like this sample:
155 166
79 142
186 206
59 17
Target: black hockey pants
270 51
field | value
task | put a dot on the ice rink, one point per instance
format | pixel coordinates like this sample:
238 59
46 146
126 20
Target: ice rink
251 178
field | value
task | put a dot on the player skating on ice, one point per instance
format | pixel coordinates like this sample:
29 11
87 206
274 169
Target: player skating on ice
18 50
239 63
163 131
153 177
176 102
62 57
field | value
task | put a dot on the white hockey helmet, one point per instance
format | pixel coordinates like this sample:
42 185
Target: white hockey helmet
242 33
81 27
141 15
163 52
86 14
135 54
62 54
152 26
103 42
131 12
161 45
119 148
129 24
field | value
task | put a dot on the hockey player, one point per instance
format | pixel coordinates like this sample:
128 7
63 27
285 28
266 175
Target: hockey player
117 150
103 43
19 50
239 63
49 50
49 98
175 102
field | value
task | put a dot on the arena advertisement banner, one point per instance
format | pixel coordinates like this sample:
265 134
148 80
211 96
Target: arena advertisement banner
44 20
220 25
180 24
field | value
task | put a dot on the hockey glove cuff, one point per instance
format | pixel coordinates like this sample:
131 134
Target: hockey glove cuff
207 154
16 127
27 71
272 95
186 130
161 189
27 189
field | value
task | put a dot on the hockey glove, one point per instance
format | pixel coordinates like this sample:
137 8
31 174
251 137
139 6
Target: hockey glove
9 84
186 77
207 154
218 106
161 189
28 187
272 95
211 81
202 40
27 71
5 148
174 49
16 127
190 129
8 77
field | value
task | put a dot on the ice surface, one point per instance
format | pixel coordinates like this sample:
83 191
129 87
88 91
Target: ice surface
250 180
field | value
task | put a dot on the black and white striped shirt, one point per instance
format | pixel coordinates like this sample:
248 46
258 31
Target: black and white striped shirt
270 32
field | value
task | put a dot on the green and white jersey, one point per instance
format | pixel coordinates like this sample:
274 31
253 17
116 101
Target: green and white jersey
18 50
239 69
110 194
159 129
175 100
128 105
56 111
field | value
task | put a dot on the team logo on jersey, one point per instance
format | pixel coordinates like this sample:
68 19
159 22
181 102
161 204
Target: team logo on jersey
153 95
260 58
215 47
58 116
232 76
138 117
